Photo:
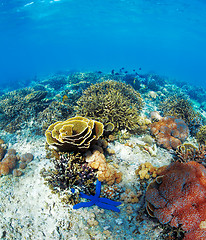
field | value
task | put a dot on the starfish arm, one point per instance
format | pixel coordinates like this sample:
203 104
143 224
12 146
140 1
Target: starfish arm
83 204
98 188
106 206
108 201
83 195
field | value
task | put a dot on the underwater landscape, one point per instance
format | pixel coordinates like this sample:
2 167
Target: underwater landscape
102 120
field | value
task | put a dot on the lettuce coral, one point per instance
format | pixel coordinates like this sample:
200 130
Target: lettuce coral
178 197
74 134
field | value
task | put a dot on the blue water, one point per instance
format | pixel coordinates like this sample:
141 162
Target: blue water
41 37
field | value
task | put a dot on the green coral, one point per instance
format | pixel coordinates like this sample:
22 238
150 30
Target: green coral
180 107
112 102
201 135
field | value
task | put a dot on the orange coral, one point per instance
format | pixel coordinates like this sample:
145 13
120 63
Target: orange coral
170 132
146 170
178 197
8 162
106 172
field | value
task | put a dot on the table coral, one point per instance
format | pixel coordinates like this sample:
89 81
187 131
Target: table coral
106 172
170 132
74 134
178 198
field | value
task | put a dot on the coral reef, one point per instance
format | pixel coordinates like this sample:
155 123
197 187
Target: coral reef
56 111
112 102
201 135
74 134
20 106
106 172
178 197
170 132
70 171
180 107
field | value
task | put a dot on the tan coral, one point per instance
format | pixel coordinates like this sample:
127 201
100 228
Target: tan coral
130 197
106 172
146 170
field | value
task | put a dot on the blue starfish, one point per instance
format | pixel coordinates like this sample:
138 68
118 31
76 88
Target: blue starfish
96 200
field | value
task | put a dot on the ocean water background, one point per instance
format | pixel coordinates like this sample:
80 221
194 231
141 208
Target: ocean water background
41 37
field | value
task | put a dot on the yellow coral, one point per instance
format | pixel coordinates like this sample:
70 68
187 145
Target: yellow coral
146 170
74 134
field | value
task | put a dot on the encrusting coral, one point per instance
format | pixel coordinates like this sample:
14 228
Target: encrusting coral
113 102
74 134
170 132
178 197
106 172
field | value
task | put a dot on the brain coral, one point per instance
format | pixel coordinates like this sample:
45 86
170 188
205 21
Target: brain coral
170 132
178 197
74 134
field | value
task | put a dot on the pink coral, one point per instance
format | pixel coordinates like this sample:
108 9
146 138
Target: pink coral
170 132
178 197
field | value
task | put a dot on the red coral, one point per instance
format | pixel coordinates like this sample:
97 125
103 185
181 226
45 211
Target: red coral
178 197
170 132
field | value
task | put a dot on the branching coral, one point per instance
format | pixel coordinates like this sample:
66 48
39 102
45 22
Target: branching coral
74 134
188 152
178 197
201 135
181 108
170 132
70 171
114 102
